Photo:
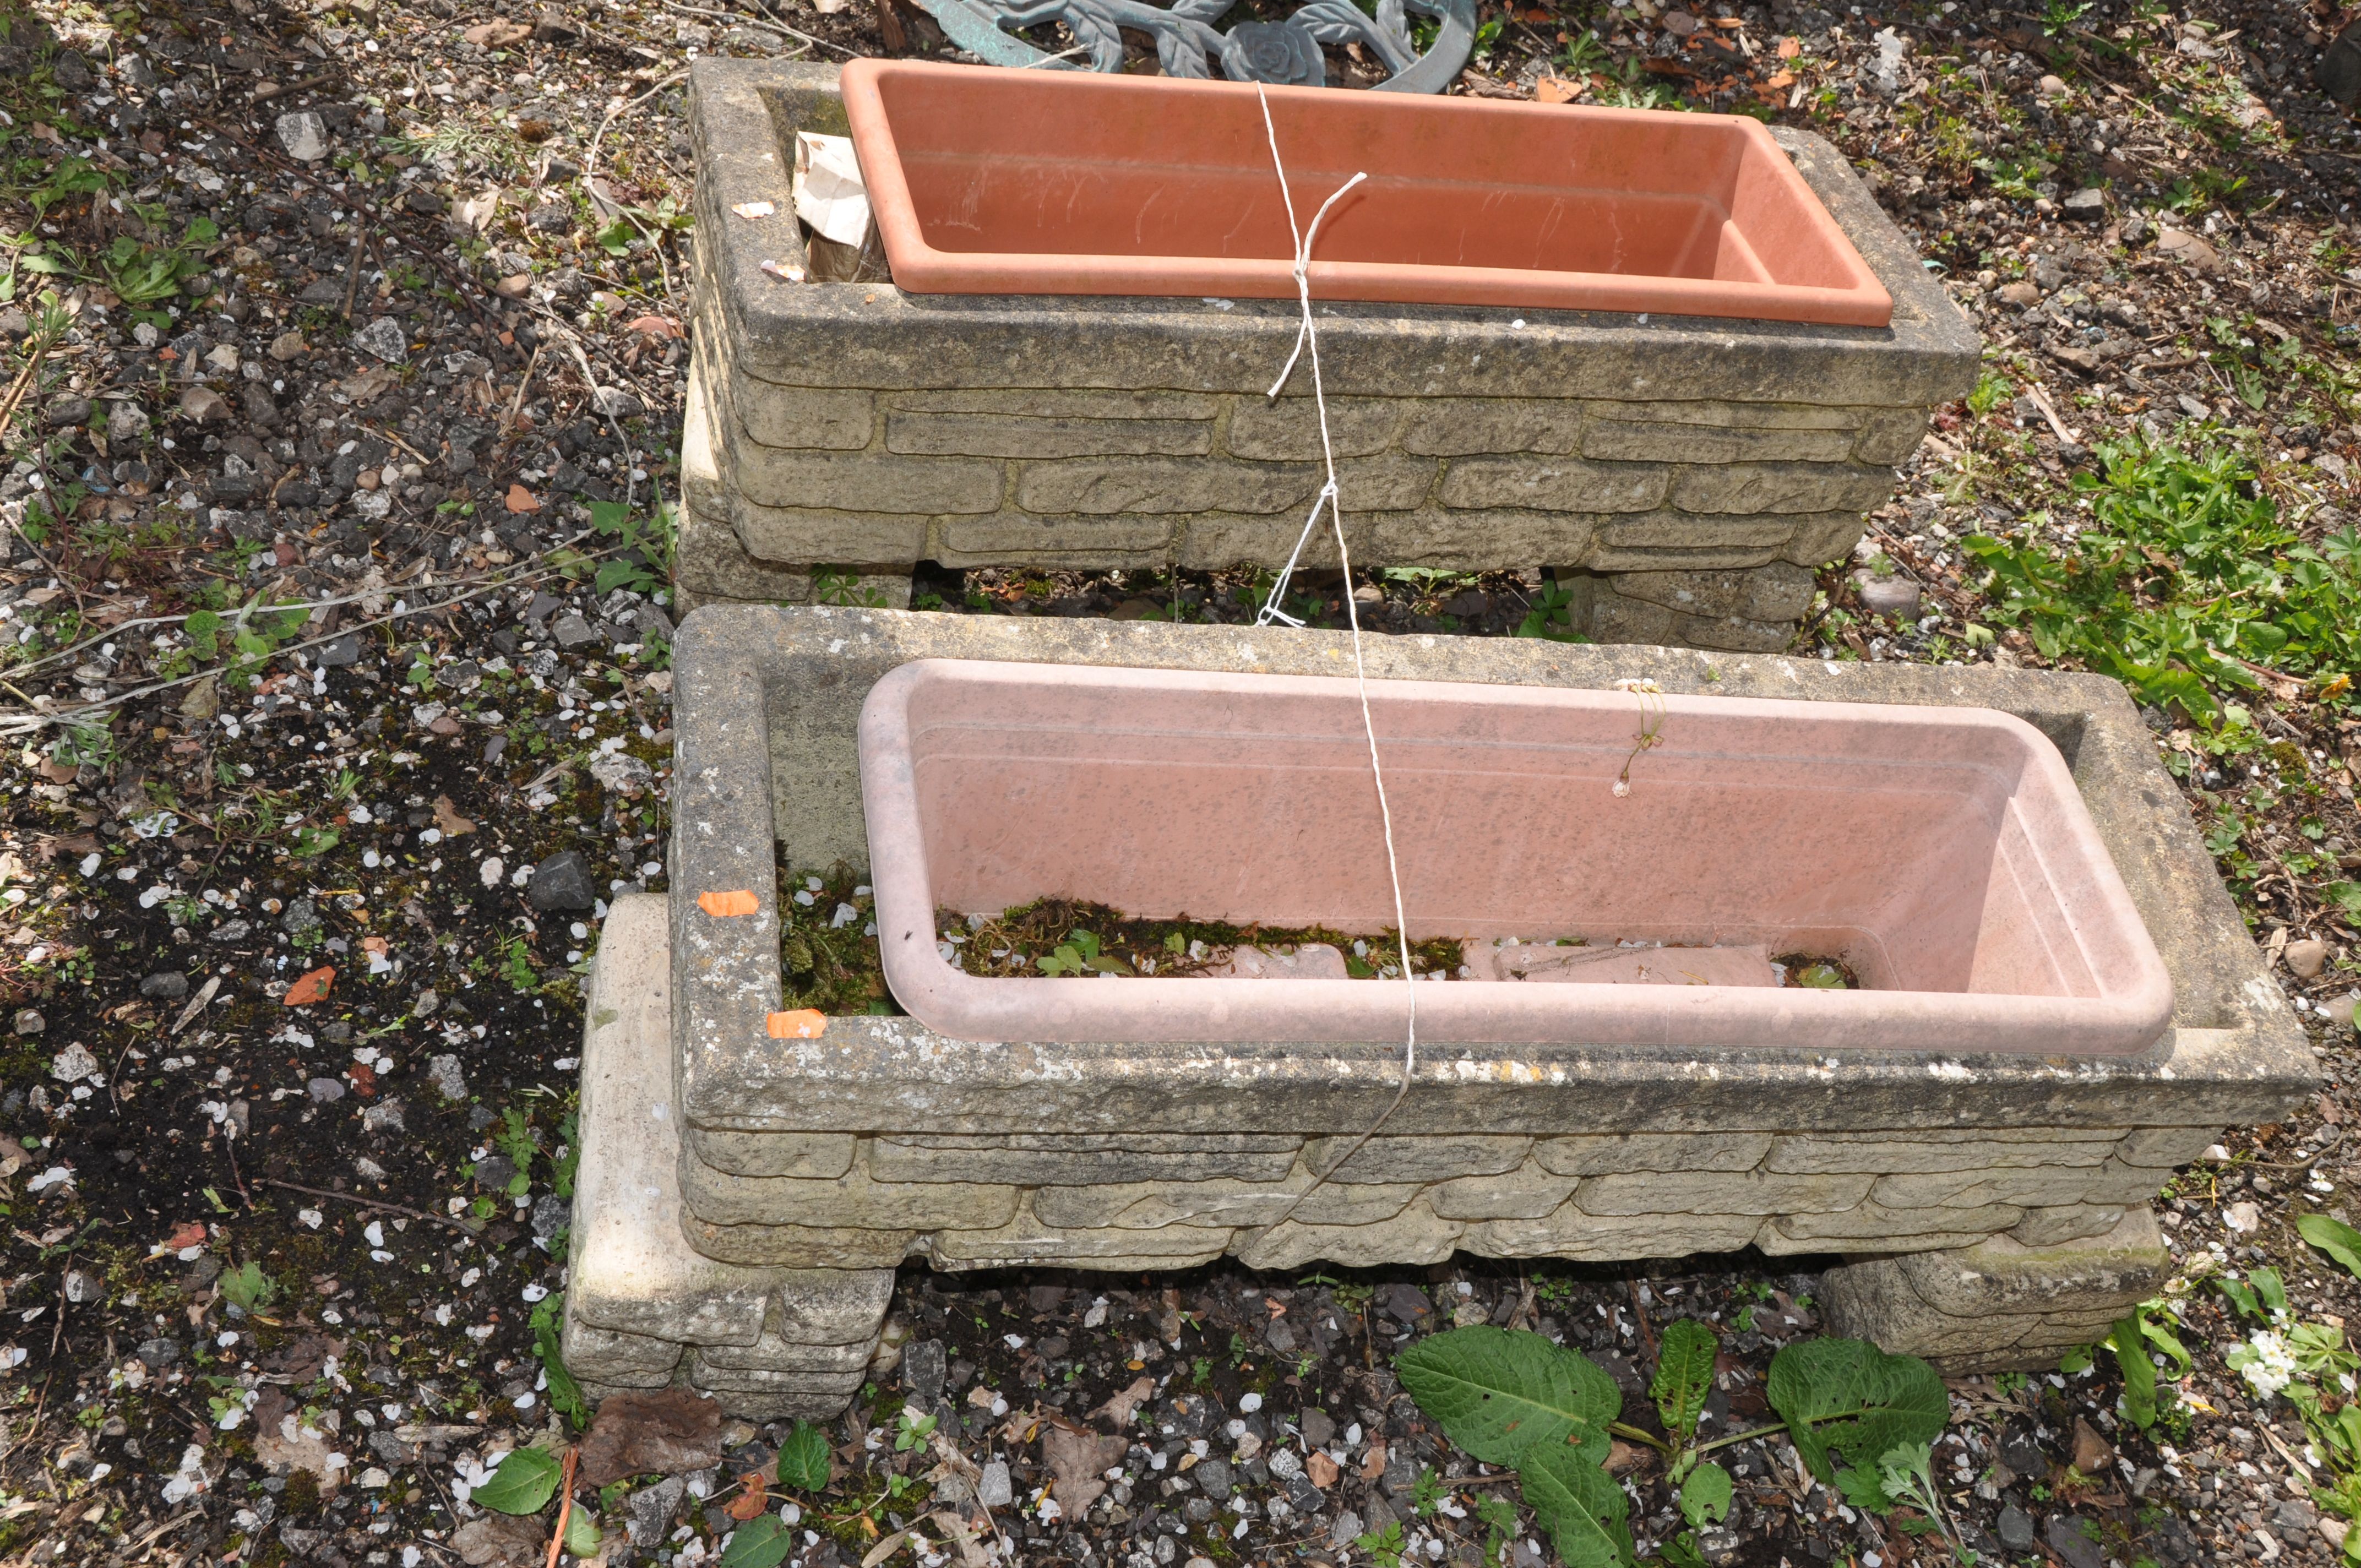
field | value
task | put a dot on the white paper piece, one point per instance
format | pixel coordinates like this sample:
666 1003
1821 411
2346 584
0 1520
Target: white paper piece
830 194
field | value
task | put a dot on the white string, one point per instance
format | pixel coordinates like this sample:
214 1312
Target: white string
1307 336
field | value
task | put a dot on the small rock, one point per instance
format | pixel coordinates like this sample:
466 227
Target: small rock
562 881
165 985
1896 596
301 916
325 1091
384 338
551 1215
2340 1011
2243 1217
304 134
2051 87
205 406
29 1022
127 421
69 409
2024 293
286 347
2188 249
2093 1455
2333 1531
615 402
572 631
2048 275
2071 1538
925 1365
2016 1527
73 1064
622 773
2307 958
2294 1518
202 699
994 1489
2087 206
444 1072
337 654
1341 1534
385 1116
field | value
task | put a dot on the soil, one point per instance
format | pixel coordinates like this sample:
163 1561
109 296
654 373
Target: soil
278 1241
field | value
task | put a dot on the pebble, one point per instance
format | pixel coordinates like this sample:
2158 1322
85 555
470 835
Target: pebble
384 338
325 1091
2306 957
2023 293
994 1489
1896 596
304 134
2016 1527
446 1074
2243 1217
29 1022
167 985
562 881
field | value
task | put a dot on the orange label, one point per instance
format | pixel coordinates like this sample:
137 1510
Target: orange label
803 1024
721 906
309 988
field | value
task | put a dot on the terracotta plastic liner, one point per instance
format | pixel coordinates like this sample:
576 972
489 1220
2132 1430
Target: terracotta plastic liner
995 182
1943 853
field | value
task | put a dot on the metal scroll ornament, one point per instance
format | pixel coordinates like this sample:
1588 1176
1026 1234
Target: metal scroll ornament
1188 44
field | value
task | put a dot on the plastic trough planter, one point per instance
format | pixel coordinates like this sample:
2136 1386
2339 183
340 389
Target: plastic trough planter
1942 853
989 182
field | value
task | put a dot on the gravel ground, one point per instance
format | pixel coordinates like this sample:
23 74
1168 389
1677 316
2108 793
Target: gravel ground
376 312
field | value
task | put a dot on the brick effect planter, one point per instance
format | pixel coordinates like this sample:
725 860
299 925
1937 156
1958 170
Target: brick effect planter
736 1230
1698 467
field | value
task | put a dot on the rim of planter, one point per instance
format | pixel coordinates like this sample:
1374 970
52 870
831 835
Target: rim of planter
986 180
1244 797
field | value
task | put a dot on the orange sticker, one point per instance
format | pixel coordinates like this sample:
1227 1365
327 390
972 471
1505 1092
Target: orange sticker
721 906
803 1024
309 988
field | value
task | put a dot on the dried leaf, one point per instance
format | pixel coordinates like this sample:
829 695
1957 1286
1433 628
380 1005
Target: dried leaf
654 326
750 1499
312 987
1079 1459
447 817
189 1234
671 1431
1321 1469
885 1549
1119 1408
498 35
522 499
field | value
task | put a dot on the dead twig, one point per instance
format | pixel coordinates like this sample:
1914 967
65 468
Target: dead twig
370 1204
283 90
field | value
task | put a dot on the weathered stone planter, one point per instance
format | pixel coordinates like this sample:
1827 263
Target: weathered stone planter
808 1167
1688 471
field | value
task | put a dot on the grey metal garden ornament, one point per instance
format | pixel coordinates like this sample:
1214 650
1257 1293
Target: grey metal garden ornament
1188 44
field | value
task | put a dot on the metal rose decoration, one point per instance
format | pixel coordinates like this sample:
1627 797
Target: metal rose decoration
1281 53
1188 44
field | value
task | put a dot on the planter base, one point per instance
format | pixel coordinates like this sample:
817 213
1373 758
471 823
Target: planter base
2001 1305
642 1310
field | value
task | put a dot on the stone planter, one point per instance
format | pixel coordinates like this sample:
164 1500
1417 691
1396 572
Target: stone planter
780 1179
990 182
1967 888
1685 472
